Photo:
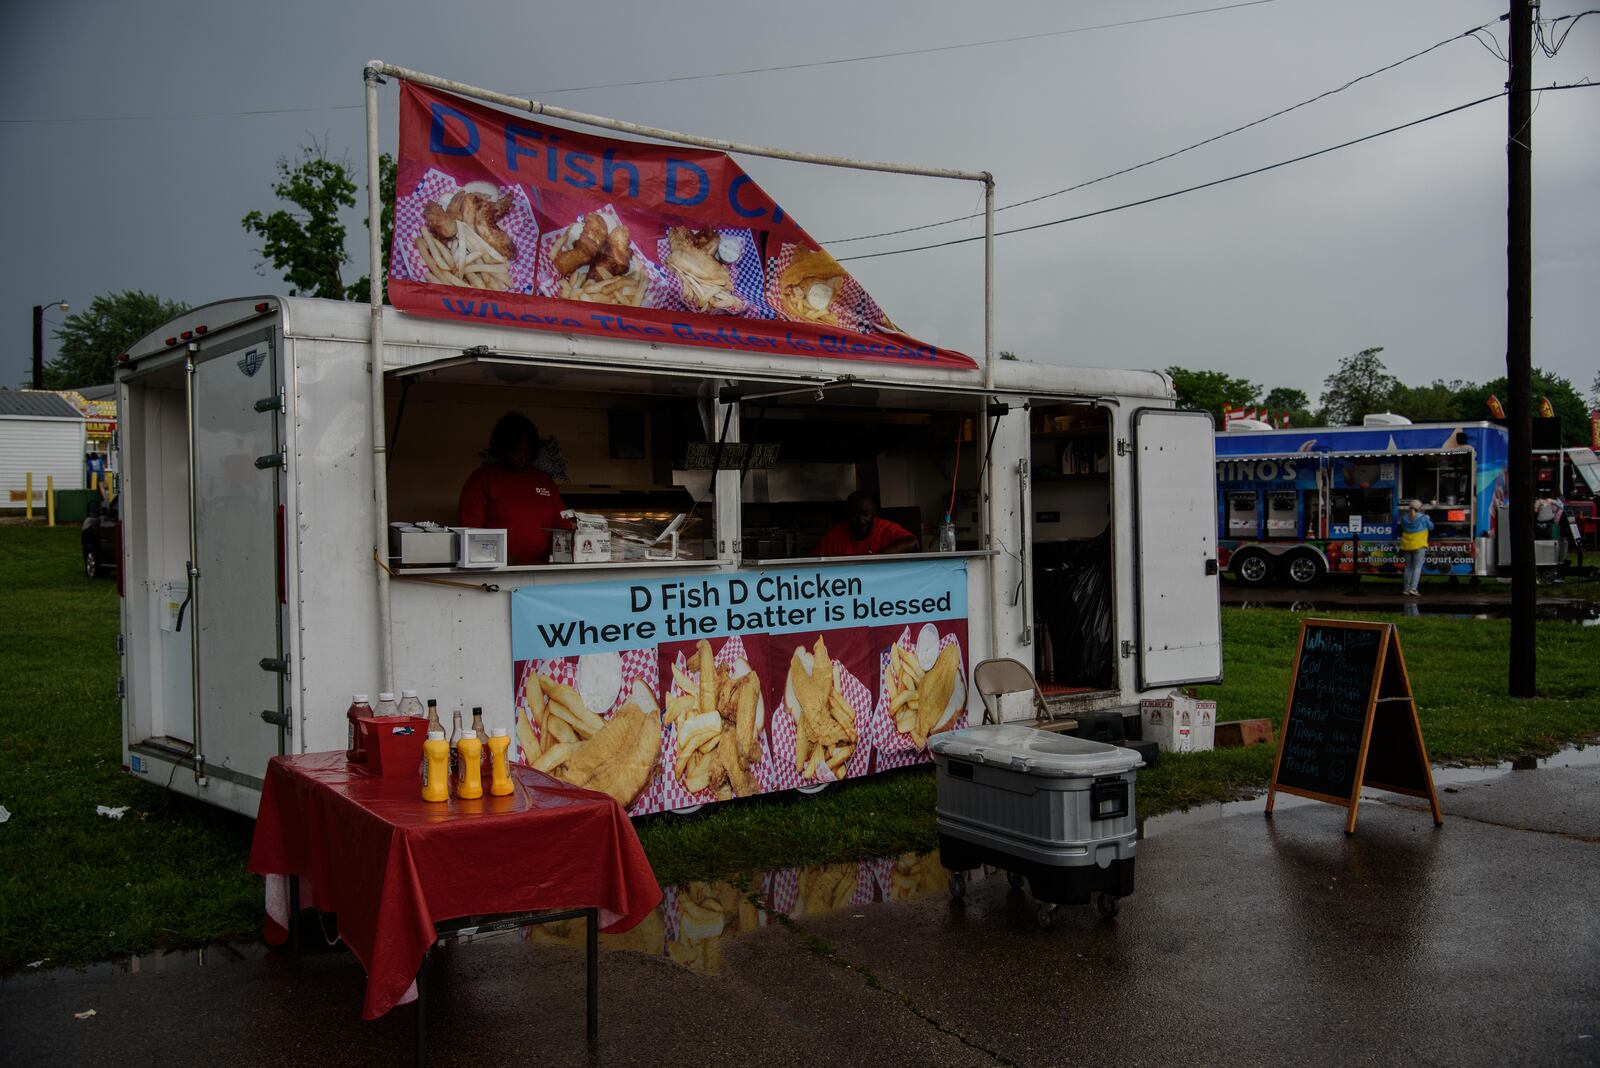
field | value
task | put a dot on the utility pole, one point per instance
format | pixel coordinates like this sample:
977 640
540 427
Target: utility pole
38 346
1519 344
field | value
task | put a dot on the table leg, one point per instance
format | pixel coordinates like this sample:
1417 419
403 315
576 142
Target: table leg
592 947
422 1011
294 915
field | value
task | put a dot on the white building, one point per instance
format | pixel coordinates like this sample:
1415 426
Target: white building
42 434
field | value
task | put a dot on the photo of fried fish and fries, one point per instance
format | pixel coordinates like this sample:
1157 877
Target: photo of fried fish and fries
916 873
923 689
718 713
596 262
462 242
702 261
825 723
560 734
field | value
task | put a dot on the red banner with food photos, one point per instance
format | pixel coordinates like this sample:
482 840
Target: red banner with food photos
502 220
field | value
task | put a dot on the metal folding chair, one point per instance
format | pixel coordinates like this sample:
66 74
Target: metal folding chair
1003 675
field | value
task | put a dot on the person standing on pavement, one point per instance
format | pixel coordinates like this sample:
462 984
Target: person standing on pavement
1414 527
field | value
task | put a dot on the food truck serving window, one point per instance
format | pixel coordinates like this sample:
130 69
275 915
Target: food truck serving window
913 454
612 443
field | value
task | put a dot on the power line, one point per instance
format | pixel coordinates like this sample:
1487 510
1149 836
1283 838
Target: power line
666 81
1159 159
1208 185
906 52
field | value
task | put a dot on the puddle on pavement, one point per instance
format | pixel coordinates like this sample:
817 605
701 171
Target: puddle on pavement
174 960
1577 756
695 921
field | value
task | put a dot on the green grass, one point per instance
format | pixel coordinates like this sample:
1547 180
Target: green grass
76 887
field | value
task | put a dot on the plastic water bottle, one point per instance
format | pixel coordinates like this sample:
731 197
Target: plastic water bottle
947 535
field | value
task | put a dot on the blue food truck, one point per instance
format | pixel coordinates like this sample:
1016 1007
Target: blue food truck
1297 504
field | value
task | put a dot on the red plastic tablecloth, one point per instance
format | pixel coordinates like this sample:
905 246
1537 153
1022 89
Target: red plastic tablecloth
390 865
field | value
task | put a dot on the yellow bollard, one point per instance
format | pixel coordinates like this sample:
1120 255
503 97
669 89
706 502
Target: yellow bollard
50 499
94 480
28 505
111 484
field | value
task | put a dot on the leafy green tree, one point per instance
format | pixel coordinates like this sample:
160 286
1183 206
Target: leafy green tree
1439 402
1007 354
1472 403
1294 403
305 241
357 290
91 340
1208 391
1359 387
1594 392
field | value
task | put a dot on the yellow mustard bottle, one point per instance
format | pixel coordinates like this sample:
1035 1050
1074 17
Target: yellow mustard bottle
469 783
436 767
500 775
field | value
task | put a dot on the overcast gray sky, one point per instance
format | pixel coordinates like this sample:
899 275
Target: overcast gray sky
1398 242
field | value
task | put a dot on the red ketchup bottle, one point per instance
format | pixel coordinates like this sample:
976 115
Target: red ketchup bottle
356 749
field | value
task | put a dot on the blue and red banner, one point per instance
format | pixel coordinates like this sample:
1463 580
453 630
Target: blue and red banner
502 220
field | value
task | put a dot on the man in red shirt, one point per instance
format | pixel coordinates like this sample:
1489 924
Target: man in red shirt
866 533
510 492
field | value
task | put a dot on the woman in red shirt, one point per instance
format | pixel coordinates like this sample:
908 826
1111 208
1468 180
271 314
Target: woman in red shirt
508 491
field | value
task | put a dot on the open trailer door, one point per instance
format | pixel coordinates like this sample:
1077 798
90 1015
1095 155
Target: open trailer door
1175 531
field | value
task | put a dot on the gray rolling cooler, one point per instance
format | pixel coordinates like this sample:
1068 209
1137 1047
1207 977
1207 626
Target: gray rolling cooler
1055 810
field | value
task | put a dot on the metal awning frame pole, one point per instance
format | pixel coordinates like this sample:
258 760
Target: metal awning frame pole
380 447
374 73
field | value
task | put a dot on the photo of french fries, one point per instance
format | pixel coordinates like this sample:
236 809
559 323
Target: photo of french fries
923 689
595 261
463 242
702 261
717 713
825 723
707 911
558 733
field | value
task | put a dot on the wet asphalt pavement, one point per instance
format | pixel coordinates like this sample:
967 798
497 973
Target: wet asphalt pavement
1248 942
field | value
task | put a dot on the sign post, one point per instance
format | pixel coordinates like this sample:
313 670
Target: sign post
1350 720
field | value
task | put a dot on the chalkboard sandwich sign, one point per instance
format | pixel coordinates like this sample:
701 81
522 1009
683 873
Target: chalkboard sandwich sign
1351 720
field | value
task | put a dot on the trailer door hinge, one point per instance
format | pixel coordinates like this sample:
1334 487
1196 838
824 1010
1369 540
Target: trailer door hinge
272 459
274 403
121 646
1122 447
122 686
1127 648
270 664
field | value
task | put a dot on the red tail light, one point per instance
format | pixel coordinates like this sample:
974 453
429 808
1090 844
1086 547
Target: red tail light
171 341
263 306
187 334
200 329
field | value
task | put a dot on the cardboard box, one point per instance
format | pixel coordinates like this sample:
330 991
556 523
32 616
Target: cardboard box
1243 733
580 546
1179 723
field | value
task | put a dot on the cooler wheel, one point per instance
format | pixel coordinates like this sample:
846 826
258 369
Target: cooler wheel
958 885
1107 904
1015 879
1047 915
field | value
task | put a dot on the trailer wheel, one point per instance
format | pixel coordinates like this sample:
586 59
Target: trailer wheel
1047 915
91 566
1303 569
1107 904
1253 567
958 885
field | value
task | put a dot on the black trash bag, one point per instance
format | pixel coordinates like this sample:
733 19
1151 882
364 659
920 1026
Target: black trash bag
1075 604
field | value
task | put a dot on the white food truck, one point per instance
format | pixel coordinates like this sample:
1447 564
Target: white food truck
255 590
